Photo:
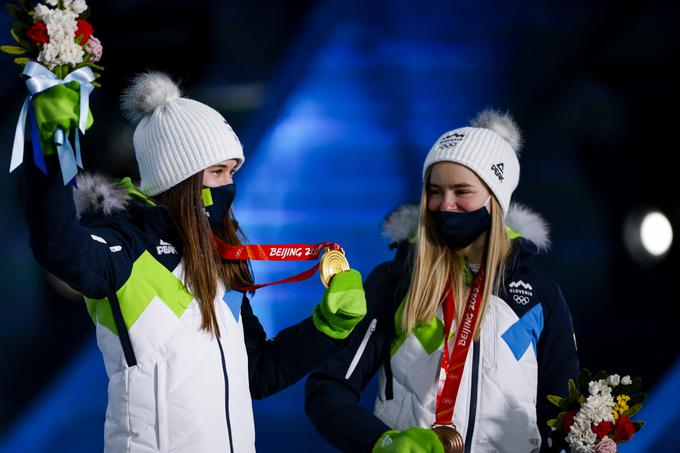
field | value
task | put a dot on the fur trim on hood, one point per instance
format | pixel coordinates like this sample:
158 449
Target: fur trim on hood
403 223
99 193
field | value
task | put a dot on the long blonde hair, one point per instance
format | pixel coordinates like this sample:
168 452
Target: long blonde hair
434 263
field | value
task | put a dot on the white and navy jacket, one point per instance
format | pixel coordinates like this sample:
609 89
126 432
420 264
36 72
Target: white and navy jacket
172 386
526 351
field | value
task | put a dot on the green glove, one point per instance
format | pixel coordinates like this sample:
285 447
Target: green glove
55 107
413 440
342 307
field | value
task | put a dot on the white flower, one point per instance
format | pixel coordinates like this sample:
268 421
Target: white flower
626 380
40 12
599 407
613 380
78 6
595 387
62 48
51 2
581 437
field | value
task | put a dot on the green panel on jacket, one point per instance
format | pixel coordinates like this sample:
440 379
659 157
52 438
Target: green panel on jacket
148 279
430 335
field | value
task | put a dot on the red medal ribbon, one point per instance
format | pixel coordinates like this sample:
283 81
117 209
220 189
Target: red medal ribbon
453 367
274 252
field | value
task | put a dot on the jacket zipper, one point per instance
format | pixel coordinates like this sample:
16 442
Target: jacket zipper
362 346
473 397
226 395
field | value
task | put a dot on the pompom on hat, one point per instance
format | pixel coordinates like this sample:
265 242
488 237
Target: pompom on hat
489 146
175 137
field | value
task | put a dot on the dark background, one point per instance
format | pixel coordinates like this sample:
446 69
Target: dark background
337 104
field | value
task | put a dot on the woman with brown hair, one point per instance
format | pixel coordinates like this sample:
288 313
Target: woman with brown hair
183 351
467 336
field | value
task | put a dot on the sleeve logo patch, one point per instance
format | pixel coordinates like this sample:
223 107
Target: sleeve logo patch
165 248
521 292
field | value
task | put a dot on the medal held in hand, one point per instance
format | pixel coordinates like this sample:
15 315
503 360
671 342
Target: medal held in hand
451 370
332 262
450 438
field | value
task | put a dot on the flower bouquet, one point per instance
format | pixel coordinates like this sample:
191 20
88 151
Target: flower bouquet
596 416
58 51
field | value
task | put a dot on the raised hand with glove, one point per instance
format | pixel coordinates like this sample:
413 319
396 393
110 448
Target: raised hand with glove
343 305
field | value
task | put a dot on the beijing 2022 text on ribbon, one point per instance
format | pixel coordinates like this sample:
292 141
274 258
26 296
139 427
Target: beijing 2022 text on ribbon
332 261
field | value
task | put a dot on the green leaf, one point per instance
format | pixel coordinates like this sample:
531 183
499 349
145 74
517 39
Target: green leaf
635 385
18 13
638 425
553 423
633 410
85 14
79 39
573 391
583 379
22 61
600 375
638 398
13 10
13 50
24 43
557 401
26 5
96 85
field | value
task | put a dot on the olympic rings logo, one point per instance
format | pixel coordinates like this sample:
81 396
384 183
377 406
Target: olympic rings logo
521 299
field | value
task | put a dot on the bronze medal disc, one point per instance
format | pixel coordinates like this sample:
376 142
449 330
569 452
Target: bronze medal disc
450 438
332 262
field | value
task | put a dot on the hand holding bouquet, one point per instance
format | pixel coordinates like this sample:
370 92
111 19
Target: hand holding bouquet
56 46
597 413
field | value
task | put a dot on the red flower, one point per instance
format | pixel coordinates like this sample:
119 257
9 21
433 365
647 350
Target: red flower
38 33
568 420
602 429
624 429
83 28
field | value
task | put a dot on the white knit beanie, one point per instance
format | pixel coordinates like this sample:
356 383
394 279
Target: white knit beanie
175 137
489 147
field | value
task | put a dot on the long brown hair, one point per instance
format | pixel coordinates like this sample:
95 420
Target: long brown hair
203 268
434 263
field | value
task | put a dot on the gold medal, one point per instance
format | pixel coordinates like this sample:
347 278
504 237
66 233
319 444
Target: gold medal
332 262
450 438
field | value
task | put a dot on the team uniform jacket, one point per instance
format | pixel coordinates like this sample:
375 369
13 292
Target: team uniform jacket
172 386
526 351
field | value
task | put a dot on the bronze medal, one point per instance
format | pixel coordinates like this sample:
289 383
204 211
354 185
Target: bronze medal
332 262
450 438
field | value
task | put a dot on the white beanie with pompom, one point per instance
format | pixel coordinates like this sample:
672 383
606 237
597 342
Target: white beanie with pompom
175 137
489 147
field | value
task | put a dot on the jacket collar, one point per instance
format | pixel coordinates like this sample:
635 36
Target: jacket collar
98 196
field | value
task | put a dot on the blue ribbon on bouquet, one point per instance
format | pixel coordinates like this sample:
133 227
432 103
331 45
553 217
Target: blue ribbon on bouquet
40 79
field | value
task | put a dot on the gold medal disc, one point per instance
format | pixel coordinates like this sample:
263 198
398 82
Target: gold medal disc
332 262
450 438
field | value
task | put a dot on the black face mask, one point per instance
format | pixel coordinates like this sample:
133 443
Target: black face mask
460 229
217 202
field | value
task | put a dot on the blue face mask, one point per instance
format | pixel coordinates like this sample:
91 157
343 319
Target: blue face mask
459 229
217 202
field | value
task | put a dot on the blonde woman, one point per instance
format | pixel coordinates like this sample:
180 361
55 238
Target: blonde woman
466 277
